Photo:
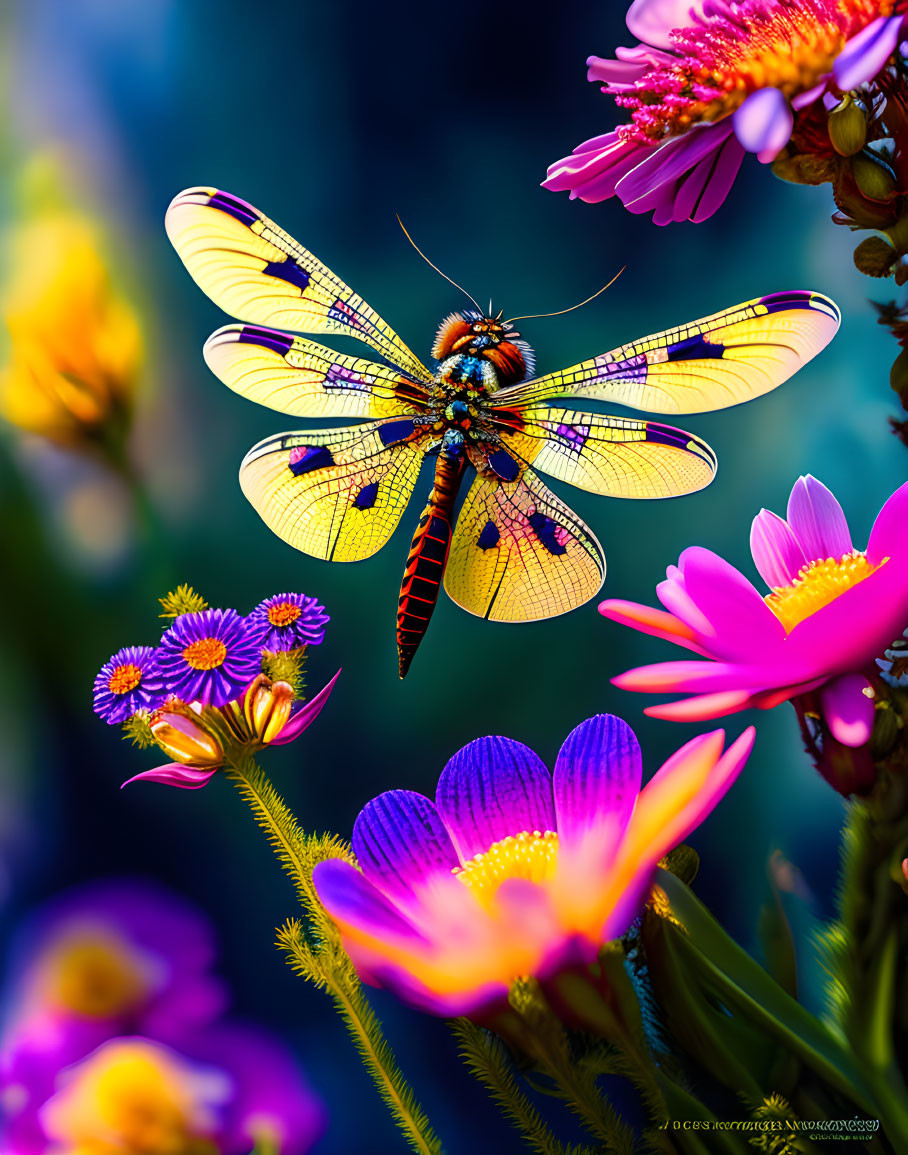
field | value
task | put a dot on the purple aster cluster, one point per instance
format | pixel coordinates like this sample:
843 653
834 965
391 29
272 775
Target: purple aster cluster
209 657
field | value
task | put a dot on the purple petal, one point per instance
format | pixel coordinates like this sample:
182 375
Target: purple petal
763 123
400 840
351 898
302 718
724 172
174 774
492 788
653 20
594 168
818 521
848 710
598 774
776 551
866 53
667 162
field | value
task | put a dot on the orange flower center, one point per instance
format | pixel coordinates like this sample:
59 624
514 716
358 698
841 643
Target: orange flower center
124 678
530 855
205 653
818 584
283 614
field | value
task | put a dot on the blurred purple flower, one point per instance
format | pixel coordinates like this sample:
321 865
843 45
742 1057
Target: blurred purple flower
711 80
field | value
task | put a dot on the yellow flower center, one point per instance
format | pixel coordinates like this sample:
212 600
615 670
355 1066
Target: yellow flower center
93 974
530 855
818 584
205 653
283 614
124 678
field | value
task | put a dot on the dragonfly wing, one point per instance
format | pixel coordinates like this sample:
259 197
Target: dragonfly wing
718 361
617 456
519 554
256 272
300 377
336 494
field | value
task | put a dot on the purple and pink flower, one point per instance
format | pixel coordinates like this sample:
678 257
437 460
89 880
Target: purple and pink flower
210 656
831 610
711 80
129 681
513 871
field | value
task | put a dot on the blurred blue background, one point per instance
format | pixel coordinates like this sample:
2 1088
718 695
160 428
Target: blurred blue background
331 119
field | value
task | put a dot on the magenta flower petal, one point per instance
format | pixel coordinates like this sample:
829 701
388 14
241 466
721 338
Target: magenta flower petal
305 715
597 775
817 520
671 160
724 171
889 536
351 897
399 840
651 621
703 708
866 53
653 20
725 596
777 553
173 774
763 123
499 769
848 710
594 168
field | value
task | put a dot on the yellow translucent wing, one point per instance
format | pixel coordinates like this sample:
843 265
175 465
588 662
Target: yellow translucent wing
336 494
519 554
616 456
256 272
298 376
722 360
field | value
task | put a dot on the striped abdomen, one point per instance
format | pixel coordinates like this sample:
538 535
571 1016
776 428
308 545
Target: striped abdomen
426 563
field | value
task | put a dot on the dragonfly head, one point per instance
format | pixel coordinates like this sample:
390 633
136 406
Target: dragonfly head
475 334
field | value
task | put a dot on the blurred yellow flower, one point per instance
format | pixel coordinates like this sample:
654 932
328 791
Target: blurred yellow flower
75 342
135 1097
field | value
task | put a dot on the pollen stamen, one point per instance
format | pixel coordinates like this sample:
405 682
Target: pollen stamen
124 678
818 584
205 653
530 855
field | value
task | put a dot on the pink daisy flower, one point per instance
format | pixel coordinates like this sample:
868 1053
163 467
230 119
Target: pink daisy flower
711 80
830 612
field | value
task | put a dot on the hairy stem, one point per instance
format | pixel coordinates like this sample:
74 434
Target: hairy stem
326 963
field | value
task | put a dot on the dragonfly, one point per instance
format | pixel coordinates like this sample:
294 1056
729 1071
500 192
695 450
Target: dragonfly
513 551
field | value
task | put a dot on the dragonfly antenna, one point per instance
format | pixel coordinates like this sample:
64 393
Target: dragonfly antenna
435 267
536 316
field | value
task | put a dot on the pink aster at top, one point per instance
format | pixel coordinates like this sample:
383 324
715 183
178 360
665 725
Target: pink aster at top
831 610
513 871
711 80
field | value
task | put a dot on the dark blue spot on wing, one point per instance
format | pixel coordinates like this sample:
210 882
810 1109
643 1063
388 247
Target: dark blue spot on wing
288 270
234 207
392 432
695 349
664 435
503 465
365 499
269 338
489 537
545 528
305 458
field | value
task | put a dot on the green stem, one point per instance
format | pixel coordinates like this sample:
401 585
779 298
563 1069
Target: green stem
487 1061
341 982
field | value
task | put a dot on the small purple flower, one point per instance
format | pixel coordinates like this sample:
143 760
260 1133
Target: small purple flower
210 657
291 621
127 682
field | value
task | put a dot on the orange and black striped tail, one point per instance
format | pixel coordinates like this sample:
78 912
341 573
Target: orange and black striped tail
426 562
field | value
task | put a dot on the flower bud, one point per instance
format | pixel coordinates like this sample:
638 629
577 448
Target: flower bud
266 708
873 177
185 740
847 126
875 257
898 375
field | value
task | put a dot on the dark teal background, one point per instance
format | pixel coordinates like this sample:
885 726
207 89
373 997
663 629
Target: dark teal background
331 118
